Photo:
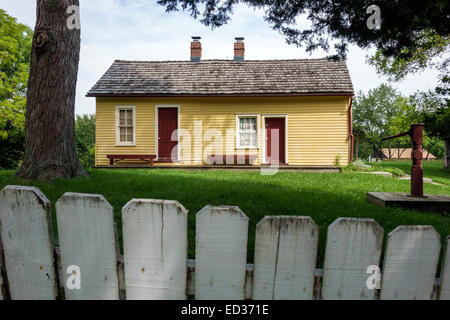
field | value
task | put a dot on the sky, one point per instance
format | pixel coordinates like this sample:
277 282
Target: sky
142 30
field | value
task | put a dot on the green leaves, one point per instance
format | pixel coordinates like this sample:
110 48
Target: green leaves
12 116
85 139
438 123
373 112
383 112
430 45
337 23
15 50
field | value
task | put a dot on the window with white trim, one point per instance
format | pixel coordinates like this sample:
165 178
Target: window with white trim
247 131
125 126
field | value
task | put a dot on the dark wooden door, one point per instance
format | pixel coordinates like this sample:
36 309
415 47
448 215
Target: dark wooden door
274 125
167 124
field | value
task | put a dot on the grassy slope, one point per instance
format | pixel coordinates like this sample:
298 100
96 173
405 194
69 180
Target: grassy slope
431 169
323 196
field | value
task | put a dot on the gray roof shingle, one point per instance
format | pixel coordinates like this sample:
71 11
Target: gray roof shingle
224 77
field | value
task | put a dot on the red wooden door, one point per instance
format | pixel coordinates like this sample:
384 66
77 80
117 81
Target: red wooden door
167 124
274 127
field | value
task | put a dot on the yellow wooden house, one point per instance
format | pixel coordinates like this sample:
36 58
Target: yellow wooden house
224 112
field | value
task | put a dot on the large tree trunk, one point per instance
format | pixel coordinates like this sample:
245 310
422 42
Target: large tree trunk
50 116
447 154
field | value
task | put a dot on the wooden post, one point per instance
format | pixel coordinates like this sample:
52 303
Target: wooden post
416 134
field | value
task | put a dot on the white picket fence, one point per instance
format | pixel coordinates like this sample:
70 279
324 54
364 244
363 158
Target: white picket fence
155 264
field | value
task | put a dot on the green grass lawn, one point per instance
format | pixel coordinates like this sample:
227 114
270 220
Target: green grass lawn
433 169
323 196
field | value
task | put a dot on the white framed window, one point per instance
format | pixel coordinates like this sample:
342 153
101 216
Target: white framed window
247 131
125 126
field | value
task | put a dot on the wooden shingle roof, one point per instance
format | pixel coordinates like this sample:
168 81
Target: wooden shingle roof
224 78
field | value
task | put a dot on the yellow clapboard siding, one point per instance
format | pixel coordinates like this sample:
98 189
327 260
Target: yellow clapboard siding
317 130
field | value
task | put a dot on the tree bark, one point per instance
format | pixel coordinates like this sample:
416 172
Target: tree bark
375 151
50 116
357 147
429 147
447 154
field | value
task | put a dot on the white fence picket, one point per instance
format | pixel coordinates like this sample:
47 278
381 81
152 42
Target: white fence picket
285 258
155 265
352 246
2 283
27 237
410 263
445 274
266 254
221 253
155 249
87 240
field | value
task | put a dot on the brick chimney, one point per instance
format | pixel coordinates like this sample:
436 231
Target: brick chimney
196 49
239 49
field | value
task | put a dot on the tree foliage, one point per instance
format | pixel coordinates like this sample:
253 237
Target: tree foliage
416 110
15 48
373 113
432 53
438 123
436 116
383 112
85 139
403 22
427 55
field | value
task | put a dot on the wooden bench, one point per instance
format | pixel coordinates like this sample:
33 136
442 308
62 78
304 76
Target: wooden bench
150 157
248 159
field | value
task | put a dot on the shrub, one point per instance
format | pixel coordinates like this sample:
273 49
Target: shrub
85 139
